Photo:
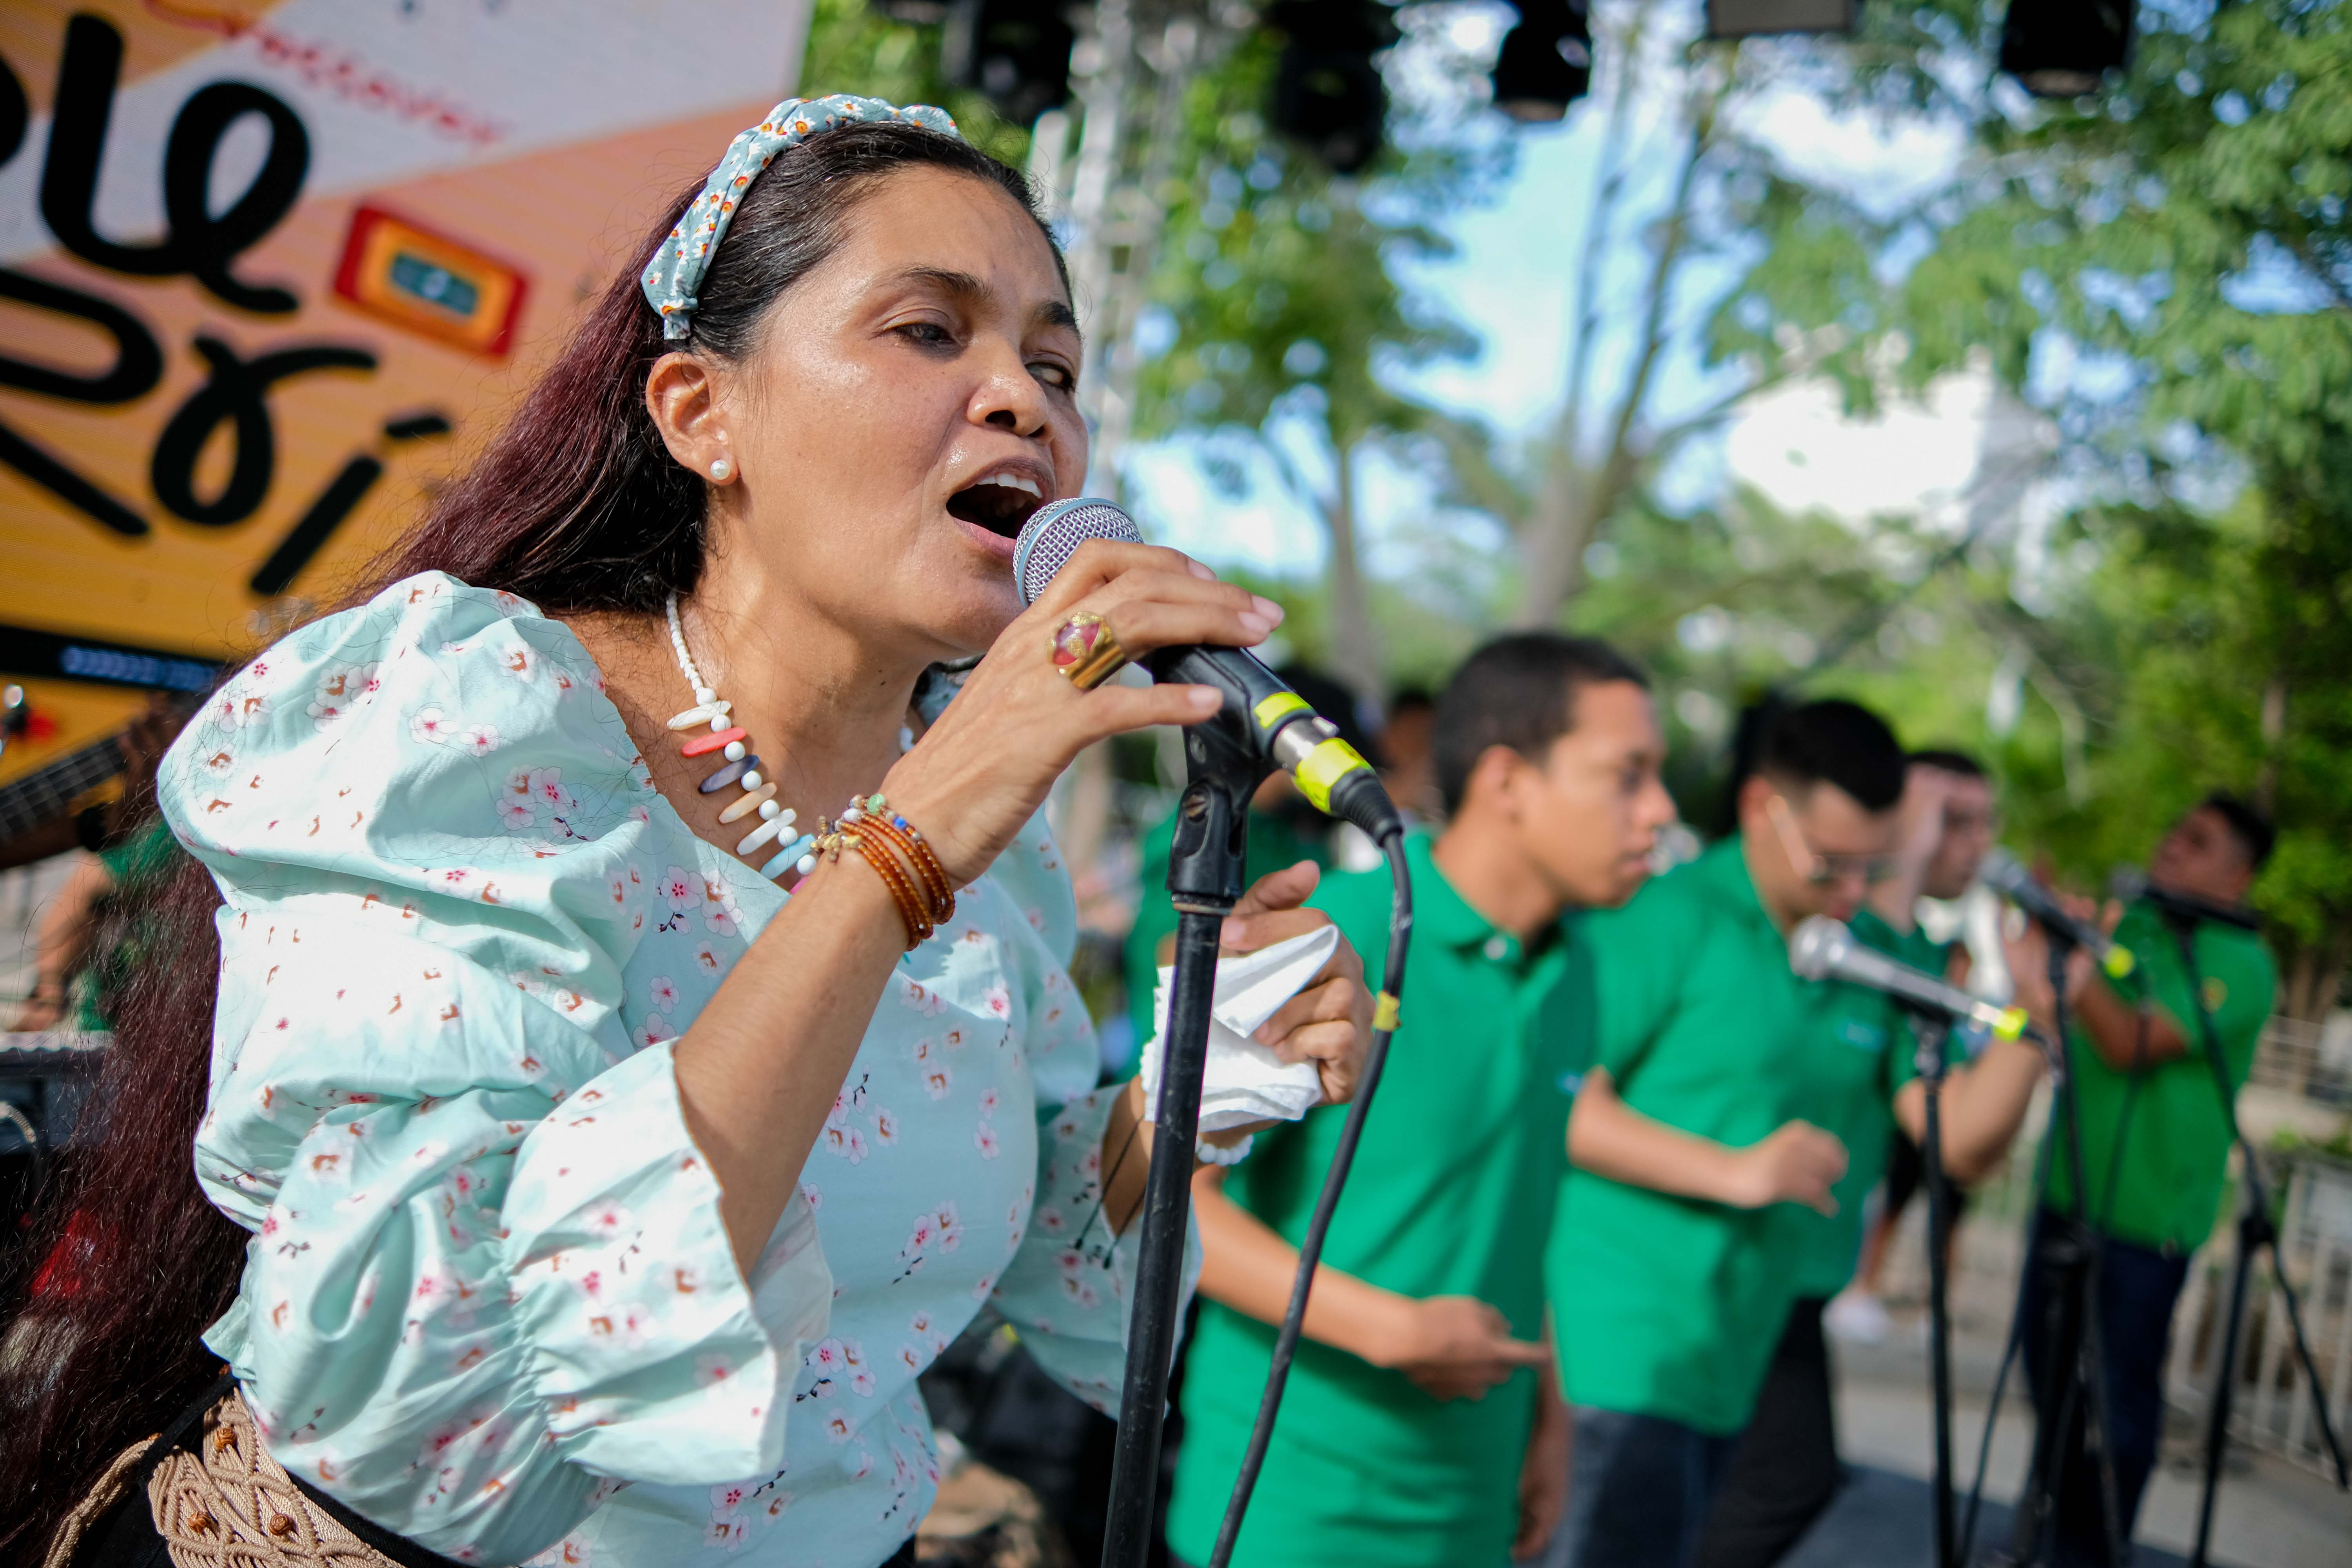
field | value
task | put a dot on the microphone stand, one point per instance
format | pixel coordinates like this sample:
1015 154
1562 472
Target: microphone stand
2254 1230
1932 1028
1204 880
2074 1259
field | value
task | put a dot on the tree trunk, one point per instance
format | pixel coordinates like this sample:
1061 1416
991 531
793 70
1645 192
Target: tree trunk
2266 781
1355 640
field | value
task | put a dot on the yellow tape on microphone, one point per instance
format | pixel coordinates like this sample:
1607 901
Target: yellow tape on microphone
1325 766
1273 709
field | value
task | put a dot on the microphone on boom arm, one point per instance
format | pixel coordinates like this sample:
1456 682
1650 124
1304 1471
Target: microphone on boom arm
2006 875
2130 884
1823 949
1260 713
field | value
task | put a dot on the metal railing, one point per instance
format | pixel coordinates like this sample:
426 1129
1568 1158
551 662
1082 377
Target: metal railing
2273 1407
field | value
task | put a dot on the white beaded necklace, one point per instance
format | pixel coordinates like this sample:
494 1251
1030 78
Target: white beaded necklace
741 768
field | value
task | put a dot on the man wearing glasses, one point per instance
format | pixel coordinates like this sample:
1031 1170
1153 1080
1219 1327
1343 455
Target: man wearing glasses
1704 1163
1861 1087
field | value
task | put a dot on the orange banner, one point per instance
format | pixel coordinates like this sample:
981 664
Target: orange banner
264 270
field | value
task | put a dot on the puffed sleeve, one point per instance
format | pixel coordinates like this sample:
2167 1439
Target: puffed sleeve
487 1278
1069 1287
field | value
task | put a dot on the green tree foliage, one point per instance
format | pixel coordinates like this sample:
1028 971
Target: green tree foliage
853 47
2165 266
1281 315
1758 271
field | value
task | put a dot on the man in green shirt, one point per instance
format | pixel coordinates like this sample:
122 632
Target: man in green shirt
1419 1429
2156 1144
1864 1091
1695 1149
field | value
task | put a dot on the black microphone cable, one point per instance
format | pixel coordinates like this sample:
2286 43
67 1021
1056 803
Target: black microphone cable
1310 1246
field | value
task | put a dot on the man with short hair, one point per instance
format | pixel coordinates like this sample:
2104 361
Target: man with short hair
1950 785
1862 1085
1420 1428
2156 1145
1694 1152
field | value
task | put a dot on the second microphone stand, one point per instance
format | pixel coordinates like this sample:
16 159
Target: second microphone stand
2074 1380
2254 1231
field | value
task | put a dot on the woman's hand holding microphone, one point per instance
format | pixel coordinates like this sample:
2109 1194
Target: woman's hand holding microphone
982 771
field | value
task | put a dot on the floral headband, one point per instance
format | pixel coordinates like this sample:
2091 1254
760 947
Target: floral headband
676 268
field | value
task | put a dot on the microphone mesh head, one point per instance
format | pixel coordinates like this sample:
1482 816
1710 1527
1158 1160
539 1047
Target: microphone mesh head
1816 945
1054 532
2002 870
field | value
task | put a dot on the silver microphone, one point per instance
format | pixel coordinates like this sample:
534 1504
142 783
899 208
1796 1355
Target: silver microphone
1262 712
1823 949
2006 875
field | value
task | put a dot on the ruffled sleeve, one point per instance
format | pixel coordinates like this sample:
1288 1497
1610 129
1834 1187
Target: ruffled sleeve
1069 1286
488 1280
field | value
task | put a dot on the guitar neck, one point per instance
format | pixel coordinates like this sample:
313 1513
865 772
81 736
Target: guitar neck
43 794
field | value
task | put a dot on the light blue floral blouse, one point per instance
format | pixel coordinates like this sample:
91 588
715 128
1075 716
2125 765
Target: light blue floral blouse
488 1303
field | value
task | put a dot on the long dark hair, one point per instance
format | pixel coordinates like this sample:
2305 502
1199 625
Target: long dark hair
576 504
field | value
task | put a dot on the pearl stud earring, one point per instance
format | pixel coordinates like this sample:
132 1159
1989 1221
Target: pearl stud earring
720 469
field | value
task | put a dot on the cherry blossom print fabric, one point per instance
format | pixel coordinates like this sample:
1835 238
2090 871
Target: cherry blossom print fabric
488 1303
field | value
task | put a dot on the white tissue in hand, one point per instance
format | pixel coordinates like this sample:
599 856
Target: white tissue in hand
1245 1081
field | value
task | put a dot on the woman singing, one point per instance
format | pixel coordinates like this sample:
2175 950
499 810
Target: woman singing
638 1054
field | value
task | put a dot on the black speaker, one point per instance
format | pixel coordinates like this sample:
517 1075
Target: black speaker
1546 62
2061 49
1015 53
1327 93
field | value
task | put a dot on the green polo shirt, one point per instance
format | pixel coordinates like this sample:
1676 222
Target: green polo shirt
2175 1143
1669 1306
136 866
1450 1194
1275 840
1859 1062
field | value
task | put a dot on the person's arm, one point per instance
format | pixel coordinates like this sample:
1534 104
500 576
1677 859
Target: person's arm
2111 1024
68 928
1982 1106
759 1067
1543 1474
1895 899
1797 1162
1454 1347
2113 1027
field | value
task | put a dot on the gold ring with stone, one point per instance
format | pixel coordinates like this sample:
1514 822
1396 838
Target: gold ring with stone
1085 651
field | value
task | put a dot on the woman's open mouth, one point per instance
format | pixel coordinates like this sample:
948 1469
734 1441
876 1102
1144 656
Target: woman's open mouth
1000 503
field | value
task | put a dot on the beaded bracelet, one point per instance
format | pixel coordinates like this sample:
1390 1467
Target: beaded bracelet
833 840
902 892
902 835
862 827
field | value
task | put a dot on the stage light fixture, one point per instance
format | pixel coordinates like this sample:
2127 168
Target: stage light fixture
1546 62
1327 93
1015 53
1747 18
2061 49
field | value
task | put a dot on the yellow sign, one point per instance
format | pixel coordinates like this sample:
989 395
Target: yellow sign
266 271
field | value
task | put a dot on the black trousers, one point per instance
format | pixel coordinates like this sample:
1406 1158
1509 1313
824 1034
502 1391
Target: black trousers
1785 1470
